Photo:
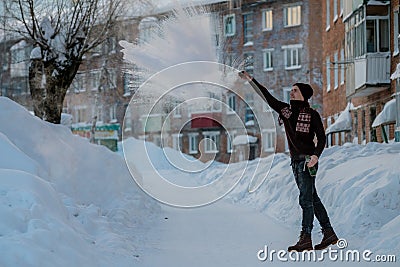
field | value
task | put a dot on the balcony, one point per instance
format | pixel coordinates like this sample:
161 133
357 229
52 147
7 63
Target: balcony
368 75
206 120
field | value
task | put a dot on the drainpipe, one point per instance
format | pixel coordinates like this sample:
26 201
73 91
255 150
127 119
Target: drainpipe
397 131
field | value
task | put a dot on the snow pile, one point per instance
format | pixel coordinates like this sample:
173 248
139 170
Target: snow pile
359 185
63 201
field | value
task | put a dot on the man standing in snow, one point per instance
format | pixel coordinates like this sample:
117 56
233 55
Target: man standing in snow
301 124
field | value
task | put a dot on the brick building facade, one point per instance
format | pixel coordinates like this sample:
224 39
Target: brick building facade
357 69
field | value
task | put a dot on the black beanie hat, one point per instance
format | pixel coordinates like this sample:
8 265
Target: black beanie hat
305 90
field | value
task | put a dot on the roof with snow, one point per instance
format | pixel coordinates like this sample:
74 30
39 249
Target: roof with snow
244 139
343 122
387 115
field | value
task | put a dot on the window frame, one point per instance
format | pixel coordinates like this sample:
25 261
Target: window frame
247 28
267 19
268 52
293 23
336 71
193 142
229 141
292 48
269 140
328 15
233 30
231 99
207 145
177 143
328 73
396 32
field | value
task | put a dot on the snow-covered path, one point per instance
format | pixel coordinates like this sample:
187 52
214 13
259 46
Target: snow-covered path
220 234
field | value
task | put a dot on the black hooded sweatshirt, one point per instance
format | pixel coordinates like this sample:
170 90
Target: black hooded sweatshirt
301 123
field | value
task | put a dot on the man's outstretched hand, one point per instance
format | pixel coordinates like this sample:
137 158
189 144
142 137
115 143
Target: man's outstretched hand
245 76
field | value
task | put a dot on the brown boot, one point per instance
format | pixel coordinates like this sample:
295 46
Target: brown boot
329 238
304 243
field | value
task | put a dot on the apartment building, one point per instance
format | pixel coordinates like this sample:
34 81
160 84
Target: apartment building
279 42
14 60
334 75
395 60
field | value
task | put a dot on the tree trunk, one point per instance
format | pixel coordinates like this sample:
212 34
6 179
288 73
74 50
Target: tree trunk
53 104
48 95
36 87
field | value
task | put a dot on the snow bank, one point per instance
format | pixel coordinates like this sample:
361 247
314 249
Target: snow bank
359 185
63 201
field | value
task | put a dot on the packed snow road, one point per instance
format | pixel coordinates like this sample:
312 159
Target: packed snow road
222 234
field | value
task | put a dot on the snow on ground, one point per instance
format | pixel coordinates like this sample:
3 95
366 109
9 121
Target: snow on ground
359 185
65 202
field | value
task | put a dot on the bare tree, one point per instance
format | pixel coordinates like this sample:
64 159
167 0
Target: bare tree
62 31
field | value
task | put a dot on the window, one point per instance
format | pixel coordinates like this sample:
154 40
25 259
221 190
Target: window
267 20
97 50
396 33
113 113
19 54
211 142
215 102
292 56
328 15
367 34
97 111
148 29
267 59
292 15
249 101
80 113
229 141
329 137
231 103
177 141
210 104
177 110
247 28
269 140
79 83
111 44
193 143
229 25
377 35
328 74
336 72
249 62
95 80
128 119
127 77
341 7
335 10
112 79
286 94
342 69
